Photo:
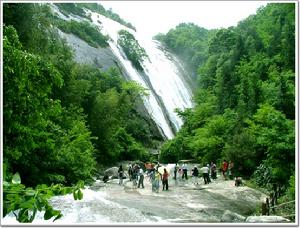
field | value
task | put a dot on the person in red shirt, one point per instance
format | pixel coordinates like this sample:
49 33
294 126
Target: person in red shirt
165 180
224 168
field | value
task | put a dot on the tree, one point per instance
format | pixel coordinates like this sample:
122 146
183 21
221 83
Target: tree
274 132
40 135
245 100
134 52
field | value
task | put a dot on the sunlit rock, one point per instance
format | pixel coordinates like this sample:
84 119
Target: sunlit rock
266 219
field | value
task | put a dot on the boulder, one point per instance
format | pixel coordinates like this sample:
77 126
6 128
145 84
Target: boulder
230 216
266 219
112 172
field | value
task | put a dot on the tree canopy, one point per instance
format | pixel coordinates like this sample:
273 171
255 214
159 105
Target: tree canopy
62 118
245 101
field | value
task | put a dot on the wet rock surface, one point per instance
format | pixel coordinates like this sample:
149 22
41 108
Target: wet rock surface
267 219
184 202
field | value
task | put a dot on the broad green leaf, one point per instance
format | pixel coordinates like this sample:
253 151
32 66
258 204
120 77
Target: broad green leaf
58 217
48 213
16 179
80 194
23 215
75 195
68 190
55 212
28 204
38 204
31 218
30 192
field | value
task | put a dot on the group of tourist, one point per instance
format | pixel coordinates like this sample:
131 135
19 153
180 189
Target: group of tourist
208 171
135 173
155 175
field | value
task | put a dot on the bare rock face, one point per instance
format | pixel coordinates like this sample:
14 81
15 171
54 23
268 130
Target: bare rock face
229 216
112 172
266 219
84 53
105 59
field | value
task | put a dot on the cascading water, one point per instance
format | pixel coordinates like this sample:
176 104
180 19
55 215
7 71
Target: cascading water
167 91
107 204
162 76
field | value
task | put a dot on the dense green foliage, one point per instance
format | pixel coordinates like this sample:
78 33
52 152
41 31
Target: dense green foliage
60 115
134 52
85 31
36 125
245 103
79 9
71 8
26 202
190 43
60 118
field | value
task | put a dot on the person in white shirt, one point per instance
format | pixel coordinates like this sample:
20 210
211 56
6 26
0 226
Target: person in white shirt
205 173
141 178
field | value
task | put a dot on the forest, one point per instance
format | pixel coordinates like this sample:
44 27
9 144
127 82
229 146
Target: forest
245 96
63 120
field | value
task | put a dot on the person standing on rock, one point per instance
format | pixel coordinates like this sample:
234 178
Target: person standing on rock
152 174
195 173
130 172
184 169
230 170
135 175
141 178
224 169
213 171
120 174
205 171
175 171
152 178
165 180
156 180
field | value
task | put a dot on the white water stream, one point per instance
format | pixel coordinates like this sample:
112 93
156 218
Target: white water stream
184 202
168 89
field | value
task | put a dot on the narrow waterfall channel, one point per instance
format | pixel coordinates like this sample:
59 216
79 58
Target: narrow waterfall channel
163 76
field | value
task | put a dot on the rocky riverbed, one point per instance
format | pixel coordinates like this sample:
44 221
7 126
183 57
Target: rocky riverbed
184 202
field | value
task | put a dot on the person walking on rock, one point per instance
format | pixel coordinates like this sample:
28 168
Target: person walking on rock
155 182
175 171
165 180
184 170
205 171
230 170
224 169
130 172
141 178
195 173
135 175
213 171
120 174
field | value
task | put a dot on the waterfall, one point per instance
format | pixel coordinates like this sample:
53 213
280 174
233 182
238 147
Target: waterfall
162 76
